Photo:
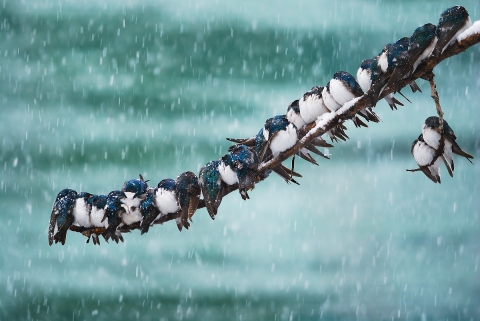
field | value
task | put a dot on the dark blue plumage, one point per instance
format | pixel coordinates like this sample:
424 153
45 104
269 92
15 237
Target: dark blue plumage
452 22
211 186
114 210
61 216
244 162
135 187
188 194
420 46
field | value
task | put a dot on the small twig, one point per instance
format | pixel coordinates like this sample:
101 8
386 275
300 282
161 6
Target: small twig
433 88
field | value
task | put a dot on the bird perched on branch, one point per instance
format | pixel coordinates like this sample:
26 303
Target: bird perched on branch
420 47
344 88
391 56
135 191
432 135
452 22
308 109
369 73
62 215
426 159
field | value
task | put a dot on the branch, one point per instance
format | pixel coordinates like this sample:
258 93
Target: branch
309 132
315 129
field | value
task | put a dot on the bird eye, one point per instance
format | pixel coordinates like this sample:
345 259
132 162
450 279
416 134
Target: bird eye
133 208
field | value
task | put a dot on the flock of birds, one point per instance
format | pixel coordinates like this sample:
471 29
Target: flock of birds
138 206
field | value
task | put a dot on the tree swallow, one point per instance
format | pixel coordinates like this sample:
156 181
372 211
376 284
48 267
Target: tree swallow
188 195
424 156
62 216
344 88
420 47
114 211
391 56
243 161
135 191
212 186
367 74
163 201
432 135
452 22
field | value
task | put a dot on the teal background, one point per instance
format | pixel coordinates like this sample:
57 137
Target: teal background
93 93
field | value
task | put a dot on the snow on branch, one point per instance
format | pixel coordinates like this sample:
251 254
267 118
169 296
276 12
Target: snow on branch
122 211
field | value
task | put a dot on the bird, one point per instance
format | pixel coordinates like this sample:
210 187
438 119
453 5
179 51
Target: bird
452 23
97 205
368 74
61 216
391 55
188 195
114 211
424 156
135 191
243 162
294 116
161 201
212 186
308 109
432 135
420 46
344 88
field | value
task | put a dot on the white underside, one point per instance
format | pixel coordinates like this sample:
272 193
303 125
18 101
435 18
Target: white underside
311 108
328 100
467 24
425 54
132 207
166 201
96 217
423 153
80 213
340 92
432 138
383 62
296 119
364 79
227 174
283 140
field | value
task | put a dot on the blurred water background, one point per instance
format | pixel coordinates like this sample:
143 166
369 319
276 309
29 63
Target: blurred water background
95 92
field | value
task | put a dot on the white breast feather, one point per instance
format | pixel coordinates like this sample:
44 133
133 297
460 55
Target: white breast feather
96 217
314 107
166 201
340 92
423 153
295 118
227 174
467 24
80 213
431 136
364 79
283 140
328 100
383 62
425 54
132 207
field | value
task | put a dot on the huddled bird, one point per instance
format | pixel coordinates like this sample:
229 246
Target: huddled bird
452 23
420 46
308 109
369 73
242 162
114 211
62 216
135 191
212 186
432 135
188 194
344 88
391 56
424 156
294 116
